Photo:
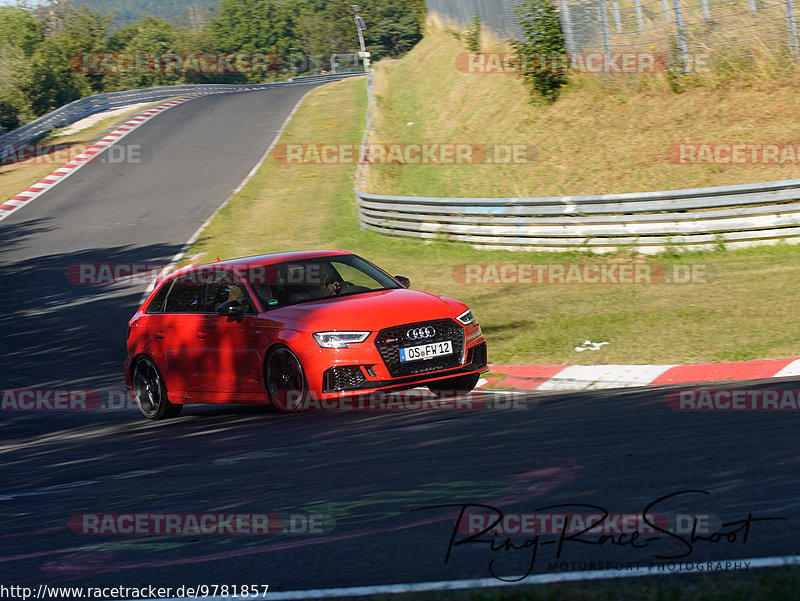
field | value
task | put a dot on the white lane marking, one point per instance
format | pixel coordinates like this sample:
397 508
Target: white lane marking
594 377
793 369
454 585
182 252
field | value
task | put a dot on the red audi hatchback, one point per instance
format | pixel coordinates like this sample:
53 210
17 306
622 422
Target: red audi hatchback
283 328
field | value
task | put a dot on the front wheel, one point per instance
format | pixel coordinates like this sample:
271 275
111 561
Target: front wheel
458 386
285 380
150 391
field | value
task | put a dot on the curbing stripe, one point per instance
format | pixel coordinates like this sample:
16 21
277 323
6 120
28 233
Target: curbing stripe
719 372
793 369
594 377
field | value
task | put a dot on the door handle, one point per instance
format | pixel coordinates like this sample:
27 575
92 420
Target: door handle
202 334
160 335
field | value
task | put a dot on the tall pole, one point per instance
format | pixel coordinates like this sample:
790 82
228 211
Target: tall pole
361 26
604 24
639 15
794 44
679 31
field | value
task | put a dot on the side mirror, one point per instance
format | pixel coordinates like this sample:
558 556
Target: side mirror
231 309
406 283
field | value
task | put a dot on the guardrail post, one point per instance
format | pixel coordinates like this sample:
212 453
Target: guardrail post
791 23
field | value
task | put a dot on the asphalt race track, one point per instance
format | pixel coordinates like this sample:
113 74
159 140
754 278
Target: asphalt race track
379 478
191 158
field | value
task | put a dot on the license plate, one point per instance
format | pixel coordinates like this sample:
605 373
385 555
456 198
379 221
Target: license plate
426 351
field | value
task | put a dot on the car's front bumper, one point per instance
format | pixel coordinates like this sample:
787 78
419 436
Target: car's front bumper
345 380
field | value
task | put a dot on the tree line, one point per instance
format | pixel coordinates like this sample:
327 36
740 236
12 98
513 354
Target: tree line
45 49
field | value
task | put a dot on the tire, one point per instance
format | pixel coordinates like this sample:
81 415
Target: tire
150 391
285 380
459 386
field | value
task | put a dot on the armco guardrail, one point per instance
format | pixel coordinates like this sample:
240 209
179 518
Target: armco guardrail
13 141
650 222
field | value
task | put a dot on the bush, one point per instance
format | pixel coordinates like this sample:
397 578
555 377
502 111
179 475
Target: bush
473 35
543 45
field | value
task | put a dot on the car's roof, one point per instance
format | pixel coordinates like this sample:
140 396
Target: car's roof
259 260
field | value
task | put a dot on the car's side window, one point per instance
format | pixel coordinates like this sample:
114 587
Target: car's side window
221 287
157 304
185 296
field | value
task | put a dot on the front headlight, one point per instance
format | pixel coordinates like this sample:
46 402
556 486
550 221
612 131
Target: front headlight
467 318
339 339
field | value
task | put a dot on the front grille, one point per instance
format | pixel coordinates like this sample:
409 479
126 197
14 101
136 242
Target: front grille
479 355
389 341
348 377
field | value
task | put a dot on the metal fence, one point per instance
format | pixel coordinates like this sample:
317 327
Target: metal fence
498 16
13 141
697 35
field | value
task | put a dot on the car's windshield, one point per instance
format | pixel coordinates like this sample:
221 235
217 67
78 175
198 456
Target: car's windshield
307 280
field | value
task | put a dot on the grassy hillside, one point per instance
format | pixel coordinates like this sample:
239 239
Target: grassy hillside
598 138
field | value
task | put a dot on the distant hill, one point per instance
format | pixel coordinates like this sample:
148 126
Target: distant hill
126 12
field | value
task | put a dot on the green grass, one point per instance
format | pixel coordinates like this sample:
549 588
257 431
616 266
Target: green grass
748 312
604 135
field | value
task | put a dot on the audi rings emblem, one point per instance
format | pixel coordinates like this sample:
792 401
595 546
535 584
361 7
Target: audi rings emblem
421 333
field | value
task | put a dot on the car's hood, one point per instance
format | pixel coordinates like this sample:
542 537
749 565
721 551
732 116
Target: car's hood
370 311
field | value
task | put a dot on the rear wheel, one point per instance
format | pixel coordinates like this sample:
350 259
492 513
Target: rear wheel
458 386
285 380
150 391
